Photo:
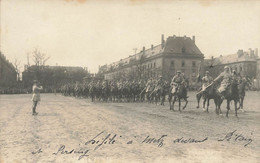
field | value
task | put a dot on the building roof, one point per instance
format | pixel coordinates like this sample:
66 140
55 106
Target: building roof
240 56
178 44
173 44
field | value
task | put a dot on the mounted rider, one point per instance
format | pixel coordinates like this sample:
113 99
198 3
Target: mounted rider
226 78
206 81
176 81
148 85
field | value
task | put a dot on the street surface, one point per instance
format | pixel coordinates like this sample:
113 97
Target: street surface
69 129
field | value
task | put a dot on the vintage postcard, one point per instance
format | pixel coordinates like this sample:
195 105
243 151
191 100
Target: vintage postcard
136 81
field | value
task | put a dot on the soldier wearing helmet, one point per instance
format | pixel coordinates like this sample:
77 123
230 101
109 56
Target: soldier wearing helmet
206 81
176 81
226 79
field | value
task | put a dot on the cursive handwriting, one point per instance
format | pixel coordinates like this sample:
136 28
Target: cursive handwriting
237 137
107 140
62 150
190 140
38 151
149 140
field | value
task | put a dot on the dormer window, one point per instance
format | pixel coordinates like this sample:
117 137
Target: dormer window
183 50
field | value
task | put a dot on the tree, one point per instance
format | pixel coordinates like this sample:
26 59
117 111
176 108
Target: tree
39 58
17 68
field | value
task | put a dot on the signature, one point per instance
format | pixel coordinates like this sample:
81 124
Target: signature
64 151
237 137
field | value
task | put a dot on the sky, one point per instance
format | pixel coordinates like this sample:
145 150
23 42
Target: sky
90 33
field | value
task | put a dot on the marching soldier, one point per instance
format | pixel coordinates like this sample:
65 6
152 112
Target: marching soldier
226 79
176 81
36 96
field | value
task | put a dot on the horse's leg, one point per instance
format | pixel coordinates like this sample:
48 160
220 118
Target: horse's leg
235 101
204 102
173 102
179 104
186 102
242 103
198 97
208 104
170 101
216 105
228 107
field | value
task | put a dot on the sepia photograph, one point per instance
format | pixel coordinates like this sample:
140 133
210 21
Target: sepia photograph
129 81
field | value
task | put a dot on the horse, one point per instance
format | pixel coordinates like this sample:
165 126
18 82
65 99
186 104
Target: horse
231 94
242 90
207 95
181 93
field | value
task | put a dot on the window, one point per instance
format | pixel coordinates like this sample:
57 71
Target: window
154 65
172 63
183 50
193 64
241 68
183 64
148 66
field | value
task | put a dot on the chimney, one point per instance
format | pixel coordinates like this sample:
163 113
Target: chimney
152 47
162 41
256 52
193 39
184 37
144 50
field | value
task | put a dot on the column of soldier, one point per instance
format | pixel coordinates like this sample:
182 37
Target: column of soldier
153 90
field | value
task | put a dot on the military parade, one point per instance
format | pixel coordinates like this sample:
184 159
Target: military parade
133 81
229 86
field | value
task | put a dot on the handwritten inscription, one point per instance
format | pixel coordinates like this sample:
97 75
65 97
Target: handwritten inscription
108 139
237 137
189 140
149 140
102 139
63 151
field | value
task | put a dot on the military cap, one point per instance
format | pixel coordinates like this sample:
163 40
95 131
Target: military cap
226 67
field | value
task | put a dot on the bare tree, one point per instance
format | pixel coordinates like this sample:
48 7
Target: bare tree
39 58
17 67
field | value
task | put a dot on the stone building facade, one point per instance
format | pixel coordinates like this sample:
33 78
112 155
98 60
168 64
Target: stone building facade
8 74
176 53
243 62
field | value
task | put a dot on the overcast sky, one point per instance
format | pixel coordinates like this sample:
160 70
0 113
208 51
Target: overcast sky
88 34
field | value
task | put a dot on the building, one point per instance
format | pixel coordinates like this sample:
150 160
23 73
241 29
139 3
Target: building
176 53
257 79
243 62
8 74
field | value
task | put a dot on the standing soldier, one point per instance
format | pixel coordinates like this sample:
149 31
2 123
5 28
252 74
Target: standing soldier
226 79
36 96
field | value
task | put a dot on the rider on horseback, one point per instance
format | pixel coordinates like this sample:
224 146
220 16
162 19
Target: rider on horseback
206 81
176 81
226 80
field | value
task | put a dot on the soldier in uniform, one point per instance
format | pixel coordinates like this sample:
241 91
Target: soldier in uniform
226 79
176 81
206 81
36 96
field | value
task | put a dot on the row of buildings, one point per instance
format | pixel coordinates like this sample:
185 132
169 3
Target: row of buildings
174 53
8 74
180 53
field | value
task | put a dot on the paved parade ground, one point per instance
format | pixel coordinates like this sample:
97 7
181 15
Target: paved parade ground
69 129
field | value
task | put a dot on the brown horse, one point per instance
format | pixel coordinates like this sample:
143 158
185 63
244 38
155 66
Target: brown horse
181 93
242 90
231 94
207 95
